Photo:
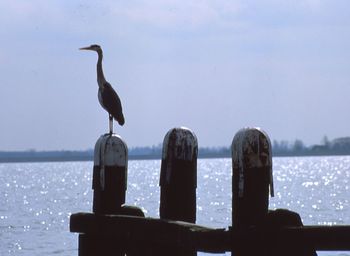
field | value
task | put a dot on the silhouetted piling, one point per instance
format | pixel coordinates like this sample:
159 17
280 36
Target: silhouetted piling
109 185
178 177
109 174
251 178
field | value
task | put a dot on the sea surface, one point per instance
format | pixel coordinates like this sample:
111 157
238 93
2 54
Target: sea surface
37 199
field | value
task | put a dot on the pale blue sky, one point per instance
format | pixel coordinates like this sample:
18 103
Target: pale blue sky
212 66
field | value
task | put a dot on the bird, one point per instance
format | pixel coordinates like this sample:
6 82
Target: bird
107 96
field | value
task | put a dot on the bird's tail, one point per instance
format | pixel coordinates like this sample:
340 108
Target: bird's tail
120 119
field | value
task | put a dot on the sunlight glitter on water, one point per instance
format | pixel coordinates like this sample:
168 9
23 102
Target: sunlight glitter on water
38 198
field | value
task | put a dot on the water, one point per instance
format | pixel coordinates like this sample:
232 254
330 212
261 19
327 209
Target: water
36 199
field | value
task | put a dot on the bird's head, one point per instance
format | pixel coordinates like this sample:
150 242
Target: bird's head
93 47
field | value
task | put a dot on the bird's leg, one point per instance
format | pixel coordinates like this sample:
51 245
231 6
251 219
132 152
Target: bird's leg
110 124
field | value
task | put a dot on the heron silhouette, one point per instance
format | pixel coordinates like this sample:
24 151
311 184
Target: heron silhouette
107 96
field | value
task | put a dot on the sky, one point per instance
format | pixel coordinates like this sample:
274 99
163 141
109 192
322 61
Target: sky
212 66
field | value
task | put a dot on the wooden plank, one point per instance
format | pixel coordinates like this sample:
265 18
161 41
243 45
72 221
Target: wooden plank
151 231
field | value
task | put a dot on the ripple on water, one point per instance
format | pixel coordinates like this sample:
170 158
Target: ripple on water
38 198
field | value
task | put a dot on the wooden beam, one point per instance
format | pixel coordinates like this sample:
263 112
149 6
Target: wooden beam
151 232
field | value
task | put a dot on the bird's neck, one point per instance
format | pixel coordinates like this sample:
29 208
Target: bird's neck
100 77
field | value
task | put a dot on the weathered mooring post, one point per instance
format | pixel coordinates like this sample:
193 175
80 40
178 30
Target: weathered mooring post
178 178
178 175
109 185
109 174
251 179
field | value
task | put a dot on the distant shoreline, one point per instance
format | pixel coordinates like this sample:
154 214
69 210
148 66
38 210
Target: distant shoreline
336 147
63 157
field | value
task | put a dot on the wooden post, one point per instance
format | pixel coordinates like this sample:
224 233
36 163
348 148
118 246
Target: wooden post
109 174
178 178
109 185
251 177
251 180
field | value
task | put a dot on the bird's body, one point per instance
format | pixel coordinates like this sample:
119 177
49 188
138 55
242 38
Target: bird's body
110 101
107 96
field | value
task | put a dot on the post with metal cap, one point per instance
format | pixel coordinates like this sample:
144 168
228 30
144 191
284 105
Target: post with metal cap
251 180
178 178
109 185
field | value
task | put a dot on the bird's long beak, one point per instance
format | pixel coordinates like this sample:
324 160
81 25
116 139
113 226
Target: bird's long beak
85 48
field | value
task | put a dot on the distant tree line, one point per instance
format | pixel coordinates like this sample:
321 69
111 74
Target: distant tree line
338 146
46 156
